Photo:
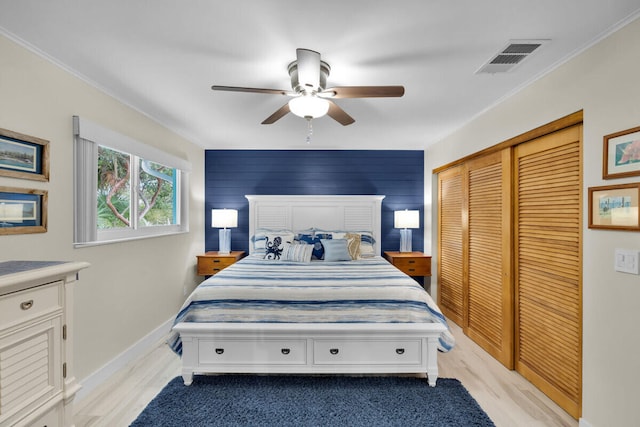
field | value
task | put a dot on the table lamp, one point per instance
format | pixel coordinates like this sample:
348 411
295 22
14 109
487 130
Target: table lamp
224 219
406 220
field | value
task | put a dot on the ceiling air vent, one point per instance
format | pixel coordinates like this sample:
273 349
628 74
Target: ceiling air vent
513 54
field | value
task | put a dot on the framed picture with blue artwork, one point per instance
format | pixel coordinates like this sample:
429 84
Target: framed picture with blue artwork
23 156
621 154
615 207
22 211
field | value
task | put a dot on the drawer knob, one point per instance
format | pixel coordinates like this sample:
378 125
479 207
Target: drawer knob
412 261
400 350
285 351
334 351
219 350
26 305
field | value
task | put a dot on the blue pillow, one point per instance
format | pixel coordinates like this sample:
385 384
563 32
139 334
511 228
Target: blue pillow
336 250
315 240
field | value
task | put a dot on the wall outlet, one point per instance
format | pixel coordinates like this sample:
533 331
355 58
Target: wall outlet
626 261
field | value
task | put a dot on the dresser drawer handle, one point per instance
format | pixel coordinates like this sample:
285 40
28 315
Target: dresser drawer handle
219 350
334 351
400 350
285 351
412 261
412 269
26 305
216 260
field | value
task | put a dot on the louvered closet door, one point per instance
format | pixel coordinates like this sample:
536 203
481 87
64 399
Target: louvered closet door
549 264
489 287
450 260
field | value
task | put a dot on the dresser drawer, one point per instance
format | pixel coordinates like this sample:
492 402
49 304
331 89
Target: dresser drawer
363 352
414 266
244 352
24 305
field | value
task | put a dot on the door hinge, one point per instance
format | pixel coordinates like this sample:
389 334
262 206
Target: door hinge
64 332
64 370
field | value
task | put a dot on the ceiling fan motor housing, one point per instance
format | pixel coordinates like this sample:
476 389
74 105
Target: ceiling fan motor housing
292 68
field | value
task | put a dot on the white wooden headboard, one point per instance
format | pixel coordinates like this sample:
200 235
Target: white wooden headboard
348 213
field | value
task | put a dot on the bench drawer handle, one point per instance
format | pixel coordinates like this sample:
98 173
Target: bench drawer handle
26 305
334 351
285 351
219 350
400 350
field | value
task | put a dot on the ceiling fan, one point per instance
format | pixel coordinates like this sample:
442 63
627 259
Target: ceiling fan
310 98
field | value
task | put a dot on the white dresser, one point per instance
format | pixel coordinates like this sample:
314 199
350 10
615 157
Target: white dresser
37 385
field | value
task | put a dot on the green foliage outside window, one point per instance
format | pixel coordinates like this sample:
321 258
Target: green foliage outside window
155 195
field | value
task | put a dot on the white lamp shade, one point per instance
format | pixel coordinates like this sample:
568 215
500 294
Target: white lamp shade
224 218
309 106
406 219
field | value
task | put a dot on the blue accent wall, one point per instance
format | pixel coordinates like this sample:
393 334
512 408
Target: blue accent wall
230 174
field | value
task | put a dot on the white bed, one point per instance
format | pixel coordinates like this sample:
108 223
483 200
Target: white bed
311 347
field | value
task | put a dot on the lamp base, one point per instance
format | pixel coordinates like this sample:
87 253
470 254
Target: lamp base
405 240
224 241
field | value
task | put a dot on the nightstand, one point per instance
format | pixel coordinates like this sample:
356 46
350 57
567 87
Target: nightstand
212 262
410 263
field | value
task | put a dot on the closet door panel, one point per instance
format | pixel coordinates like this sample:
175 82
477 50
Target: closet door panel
488 288
450 245
548 265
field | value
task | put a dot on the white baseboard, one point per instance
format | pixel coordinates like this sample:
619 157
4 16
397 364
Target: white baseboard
584 423
137 350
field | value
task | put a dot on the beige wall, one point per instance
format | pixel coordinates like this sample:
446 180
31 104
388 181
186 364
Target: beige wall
131 288
604 82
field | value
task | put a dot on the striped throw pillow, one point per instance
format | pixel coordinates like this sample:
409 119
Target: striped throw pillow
300 252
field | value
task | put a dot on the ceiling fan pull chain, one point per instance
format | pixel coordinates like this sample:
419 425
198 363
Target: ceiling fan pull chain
309 129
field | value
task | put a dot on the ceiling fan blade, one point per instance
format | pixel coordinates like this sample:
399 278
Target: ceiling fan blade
364 92
280 113
252 90
308 69
339 115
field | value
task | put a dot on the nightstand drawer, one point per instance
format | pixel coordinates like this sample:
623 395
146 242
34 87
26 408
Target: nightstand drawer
213 262
414 266
410 263
209 266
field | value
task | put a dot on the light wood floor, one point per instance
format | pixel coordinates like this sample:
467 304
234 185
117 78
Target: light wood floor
504 395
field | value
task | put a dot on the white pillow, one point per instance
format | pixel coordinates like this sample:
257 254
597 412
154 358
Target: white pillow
264 239
299 252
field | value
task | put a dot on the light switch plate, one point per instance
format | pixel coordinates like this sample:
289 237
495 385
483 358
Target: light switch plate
626 261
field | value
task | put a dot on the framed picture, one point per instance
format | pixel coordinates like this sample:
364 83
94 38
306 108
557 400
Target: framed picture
621 154
23 156
614 207
22 211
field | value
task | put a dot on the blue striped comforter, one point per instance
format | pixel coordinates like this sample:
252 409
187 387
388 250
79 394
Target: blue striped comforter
266 291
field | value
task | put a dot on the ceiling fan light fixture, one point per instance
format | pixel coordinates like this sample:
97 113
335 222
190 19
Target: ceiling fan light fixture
309 106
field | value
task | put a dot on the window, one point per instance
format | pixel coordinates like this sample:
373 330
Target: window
125 189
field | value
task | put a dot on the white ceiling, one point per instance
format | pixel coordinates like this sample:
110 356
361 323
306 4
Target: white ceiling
162 56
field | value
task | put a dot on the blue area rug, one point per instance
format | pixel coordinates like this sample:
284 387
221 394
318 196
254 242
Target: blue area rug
252 400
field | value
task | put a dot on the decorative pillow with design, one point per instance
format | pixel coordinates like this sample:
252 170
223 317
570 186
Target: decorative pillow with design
316 241
336 250
353 244
297 252
269 242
